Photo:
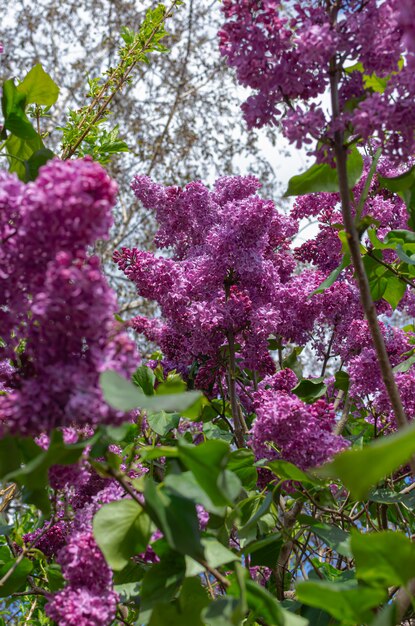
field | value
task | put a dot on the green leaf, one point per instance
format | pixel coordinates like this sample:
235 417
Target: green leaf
186 610
144 378
121 530
383 558
19 125
17 580
403 236
55 578
176 517
382 281
9 455
35 162
124 396
348 602
387 496
331 279
223 612
259 505
162 423
33 474
398 183
263 604
395 291
161 583
241 463
207 462
405 365
216 554
342 381
264 551
335 537
410 260
323 178
186 486
19 151
309 390
376 242
362 469
288 471
38 87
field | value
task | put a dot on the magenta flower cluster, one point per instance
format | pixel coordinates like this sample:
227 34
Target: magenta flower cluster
230 262
285 427
56 308
287 53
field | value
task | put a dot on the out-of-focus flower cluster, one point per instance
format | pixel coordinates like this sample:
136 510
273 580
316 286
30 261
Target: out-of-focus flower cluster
56 308
287 53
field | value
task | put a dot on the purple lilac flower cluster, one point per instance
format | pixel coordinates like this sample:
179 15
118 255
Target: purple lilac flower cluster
324 251
406 19
230 260
287 54
56 308
285 427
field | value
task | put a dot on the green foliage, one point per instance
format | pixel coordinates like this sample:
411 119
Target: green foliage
360 470
125 396
121 529
310 389
22 145
82 133
383 558
348 602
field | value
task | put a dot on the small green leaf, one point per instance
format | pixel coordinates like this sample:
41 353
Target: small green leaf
241 463
162 423
323 178
288 471
123 395
335 537
16 580
38 87
176 517
398 183
342 381
331 279
395 291
309 389
207 462
405 365
186 486
144 378
121 530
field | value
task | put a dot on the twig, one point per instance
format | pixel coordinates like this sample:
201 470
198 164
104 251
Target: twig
354 247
